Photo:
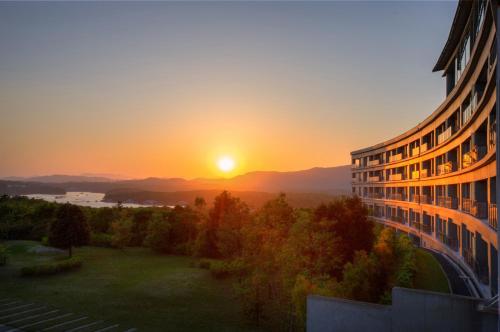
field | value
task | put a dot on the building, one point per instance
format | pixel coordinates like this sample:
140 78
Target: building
437 181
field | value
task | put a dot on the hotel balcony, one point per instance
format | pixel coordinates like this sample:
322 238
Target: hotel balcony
396 197
444 135
396 157
396 177
445 168
415 175
448 240
423 147
424 173
374 178
475 208
415 151
492 216
373 162
473 156
448 202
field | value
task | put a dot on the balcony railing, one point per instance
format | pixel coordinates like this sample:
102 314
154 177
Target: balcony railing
445 168
475 208
415 175
396 197
448 202
373 162
424 173
398 219
467 114
415 198
447 240
374 178
493 134
396 157
444 135
396 177
376 195
474 155
423 148
426 228
415 151
425 199
492 216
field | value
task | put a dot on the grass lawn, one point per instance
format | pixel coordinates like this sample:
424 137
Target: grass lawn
430 276
134 288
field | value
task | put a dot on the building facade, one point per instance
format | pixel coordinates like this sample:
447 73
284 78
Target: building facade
437 181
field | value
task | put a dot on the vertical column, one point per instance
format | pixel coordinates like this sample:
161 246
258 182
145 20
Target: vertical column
497 111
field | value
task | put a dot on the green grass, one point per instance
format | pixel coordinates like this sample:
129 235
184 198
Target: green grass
430 275
134 288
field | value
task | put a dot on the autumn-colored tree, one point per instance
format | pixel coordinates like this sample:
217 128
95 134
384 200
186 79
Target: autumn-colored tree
69 229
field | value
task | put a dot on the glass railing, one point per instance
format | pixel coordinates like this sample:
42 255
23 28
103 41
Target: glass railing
492 216
448 202
396 157
467 114
444 135
445 168
474 155
396 177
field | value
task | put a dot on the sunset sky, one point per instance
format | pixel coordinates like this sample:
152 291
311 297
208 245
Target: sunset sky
165 89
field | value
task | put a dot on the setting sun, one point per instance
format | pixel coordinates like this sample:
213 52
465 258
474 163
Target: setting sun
226 164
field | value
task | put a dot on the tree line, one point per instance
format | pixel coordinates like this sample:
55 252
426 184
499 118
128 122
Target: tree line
276 255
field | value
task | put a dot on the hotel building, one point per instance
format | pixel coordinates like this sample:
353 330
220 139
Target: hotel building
437 181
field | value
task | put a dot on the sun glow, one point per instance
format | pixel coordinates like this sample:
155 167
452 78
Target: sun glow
226 164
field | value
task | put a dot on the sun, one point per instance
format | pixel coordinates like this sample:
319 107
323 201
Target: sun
226 164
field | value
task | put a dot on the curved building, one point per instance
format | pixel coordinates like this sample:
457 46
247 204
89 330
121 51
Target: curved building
437 181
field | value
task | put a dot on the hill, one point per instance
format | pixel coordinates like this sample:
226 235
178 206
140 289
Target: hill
254 199
329 180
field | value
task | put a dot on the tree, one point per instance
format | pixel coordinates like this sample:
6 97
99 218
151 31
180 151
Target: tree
226 219
159 234
199 203
69 229
122 233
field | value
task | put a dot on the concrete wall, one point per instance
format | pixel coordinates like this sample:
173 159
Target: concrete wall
411 311
416 310
329 314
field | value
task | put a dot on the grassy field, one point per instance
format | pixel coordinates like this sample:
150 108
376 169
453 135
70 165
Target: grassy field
135 288
430 276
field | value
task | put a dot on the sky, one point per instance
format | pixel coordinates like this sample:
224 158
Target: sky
166 88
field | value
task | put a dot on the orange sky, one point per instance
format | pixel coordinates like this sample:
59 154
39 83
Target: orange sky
164 89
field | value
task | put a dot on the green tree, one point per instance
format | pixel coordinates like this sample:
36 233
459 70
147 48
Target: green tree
159 234
122 233
69 229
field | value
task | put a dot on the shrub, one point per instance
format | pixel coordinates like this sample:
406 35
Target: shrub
52 268
101 240
225 269
204 264
3 255
45 241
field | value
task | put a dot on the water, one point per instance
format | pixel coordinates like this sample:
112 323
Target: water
82 199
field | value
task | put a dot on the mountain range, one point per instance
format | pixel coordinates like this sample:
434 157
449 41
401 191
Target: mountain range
329 180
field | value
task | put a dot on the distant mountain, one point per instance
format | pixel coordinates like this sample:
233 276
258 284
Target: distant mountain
328 180
27 188
60 178
254 199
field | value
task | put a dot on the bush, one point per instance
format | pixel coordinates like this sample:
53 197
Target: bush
52 268
3 255
225 269
45 241
101 240
204 264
